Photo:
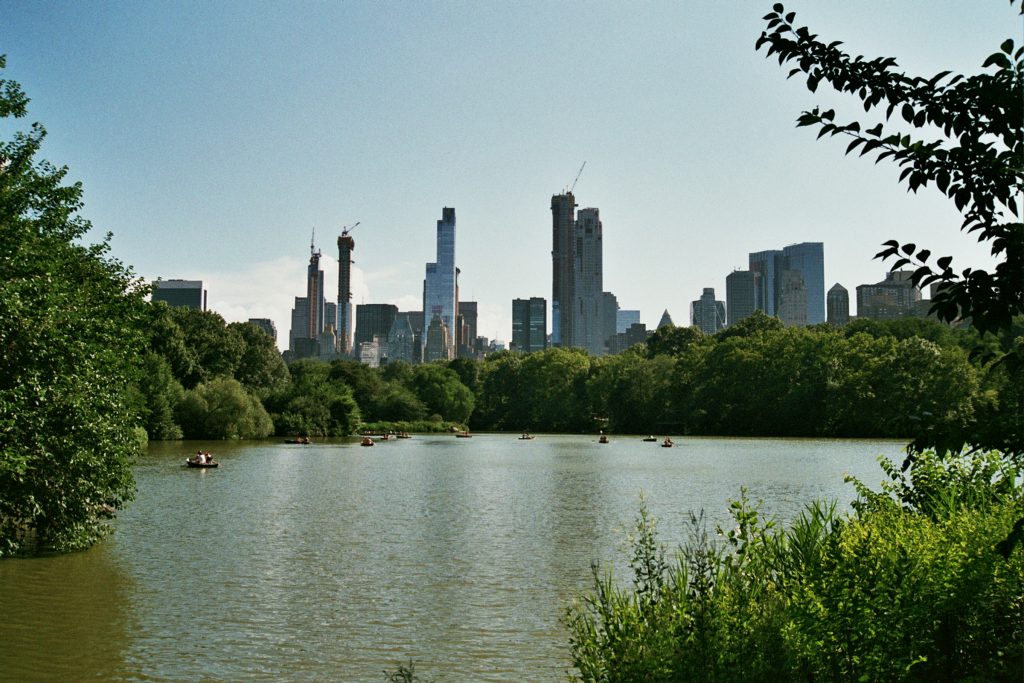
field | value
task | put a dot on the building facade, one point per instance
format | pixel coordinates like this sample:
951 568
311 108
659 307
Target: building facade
563 258
588 311
838 304
180 293
808 259
740 295
346 245
706 313
439 285
265 324
769 266
792 305
892 298
529 324
374 322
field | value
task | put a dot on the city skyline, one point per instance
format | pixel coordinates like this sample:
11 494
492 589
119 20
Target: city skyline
211 139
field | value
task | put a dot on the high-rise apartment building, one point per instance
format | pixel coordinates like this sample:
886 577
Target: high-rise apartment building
439 285
706 313
314 294
588 311
838 303
740 295
529 324
346 245
181 293
609 316
563 259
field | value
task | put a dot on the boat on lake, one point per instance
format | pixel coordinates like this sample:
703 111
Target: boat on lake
650 439
463 435
192 462
667 443
602 439
526 437
367 441
304 440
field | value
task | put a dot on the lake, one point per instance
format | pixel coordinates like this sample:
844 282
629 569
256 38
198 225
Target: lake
334 562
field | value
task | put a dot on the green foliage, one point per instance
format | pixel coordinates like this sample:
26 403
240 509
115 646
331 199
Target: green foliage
260 368
160 393
70 342
975 163
670 340
441 391
314 403
910 587
223 409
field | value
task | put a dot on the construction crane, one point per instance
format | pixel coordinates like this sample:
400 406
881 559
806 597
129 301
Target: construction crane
573 186
345 231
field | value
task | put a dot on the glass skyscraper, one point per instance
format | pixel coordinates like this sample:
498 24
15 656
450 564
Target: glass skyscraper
808 259
439 283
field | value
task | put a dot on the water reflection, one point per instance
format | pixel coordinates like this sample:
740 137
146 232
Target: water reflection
64 618
332 561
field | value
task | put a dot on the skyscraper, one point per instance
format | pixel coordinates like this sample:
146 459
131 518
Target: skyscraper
792 305
183 293
467 329
529 324
314 294
894 297
374 321
838 303
623 319
588 311
439 283
346 245
769 266
706 313
808 259
610 316
740 295
563 257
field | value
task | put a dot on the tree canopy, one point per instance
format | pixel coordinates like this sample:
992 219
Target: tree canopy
71 341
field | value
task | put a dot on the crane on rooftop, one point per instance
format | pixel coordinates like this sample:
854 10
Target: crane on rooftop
345 231
578 174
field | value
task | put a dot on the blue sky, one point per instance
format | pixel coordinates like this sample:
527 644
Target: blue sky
212 138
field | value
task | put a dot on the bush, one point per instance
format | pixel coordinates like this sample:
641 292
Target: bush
910 586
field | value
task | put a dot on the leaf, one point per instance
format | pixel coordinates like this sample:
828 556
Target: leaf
944 261
997 59
853 145
778 7
908 113
1007 46
923 255
909 248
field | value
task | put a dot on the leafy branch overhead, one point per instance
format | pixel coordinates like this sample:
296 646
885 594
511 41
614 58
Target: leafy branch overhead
976 157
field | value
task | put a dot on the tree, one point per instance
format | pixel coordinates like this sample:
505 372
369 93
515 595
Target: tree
443 392
260 368
314 403
223 409
71 321
976 163
670 340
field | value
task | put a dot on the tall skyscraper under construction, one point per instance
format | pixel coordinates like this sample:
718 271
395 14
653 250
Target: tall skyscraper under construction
346 245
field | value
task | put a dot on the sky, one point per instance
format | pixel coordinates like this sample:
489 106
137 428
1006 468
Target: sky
215 139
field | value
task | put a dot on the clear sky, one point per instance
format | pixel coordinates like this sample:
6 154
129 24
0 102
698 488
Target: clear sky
212 138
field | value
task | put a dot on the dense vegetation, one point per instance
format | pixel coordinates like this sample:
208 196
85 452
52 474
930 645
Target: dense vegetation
70 334
207 379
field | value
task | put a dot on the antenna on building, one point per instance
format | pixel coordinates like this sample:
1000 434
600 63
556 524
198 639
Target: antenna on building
573 186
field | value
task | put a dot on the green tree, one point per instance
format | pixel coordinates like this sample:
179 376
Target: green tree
314 403
71 321
672 341
223 409
216 348
160 393
633 391
260 368
442 392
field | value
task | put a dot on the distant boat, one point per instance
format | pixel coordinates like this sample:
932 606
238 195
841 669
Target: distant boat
463 435
650 438
301 440
667 443
193 463
403 435
603 439
367 441
526 437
